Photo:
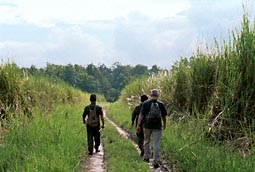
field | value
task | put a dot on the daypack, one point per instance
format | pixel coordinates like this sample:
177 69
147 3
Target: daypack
93 119
154 114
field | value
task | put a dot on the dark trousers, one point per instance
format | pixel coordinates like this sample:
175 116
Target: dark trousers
93 135
140 139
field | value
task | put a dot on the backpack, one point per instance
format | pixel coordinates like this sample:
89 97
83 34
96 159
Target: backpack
93 119
154 114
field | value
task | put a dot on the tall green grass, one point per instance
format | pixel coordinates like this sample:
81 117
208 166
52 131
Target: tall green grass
11 99
184 145
211 103
49 142
217 84
19 93
40 123
120 113
120 154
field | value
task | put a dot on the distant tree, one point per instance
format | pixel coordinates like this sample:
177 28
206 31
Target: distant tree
108 81
154 69
139 70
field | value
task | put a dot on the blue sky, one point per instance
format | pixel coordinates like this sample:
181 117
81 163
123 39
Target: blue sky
131 32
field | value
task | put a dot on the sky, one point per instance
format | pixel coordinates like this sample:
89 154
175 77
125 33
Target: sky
131 32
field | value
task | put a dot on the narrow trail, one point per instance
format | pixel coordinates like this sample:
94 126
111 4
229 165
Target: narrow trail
93 163
164 166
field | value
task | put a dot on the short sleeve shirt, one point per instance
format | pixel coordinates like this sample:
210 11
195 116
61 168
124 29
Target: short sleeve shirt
145 110
99 111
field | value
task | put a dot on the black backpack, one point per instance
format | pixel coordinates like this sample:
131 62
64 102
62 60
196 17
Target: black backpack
154 114
93 119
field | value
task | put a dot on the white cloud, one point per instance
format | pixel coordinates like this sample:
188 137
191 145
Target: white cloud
74 46
9 14
24 54
49 12
129 31
70 45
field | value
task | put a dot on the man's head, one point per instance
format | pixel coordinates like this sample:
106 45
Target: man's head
154 93
144 98
93 98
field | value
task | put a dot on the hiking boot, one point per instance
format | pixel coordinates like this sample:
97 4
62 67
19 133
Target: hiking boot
146 160
90 153
142 153
156 165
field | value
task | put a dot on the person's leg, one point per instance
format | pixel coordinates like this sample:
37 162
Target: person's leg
156 134
90 139
140 141
97 139
147 135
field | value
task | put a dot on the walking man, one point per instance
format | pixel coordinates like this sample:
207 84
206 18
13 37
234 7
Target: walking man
93 113
153 113
135 114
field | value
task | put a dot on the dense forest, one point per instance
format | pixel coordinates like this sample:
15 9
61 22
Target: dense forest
108 81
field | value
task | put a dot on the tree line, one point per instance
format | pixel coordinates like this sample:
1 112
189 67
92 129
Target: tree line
101 79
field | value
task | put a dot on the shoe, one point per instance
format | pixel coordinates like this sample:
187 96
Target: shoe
146 160
156 165
142 153
97 150
90 152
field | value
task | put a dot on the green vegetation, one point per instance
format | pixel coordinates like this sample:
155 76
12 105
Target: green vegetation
108 81
184 145
121 114
19 93
49 142
210 100
120 154
217 86
41 126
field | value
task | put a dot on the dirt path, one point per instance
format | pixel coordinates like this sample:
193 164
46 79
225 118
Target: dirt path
93 163
164 166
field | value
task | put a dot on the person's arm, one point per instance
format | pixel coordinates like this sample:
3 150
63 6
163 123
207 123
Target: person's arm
101 113
84 116
138 127
133 117
164 114
102 120
164 123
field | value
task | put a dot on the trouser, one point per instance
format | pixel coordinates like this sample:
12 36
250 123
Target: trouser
93 135
156 136
140 139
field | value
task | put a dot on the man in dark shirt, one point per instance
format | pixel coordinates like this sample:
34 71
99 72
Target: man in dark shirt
93 134
153 113
135 114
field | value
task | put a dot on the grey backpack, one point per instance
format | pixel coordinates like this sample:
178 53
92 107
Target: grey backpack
154 114
93 119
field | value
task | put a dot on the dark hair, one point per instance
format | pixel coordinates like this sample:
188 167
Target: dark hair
93 98
155 92
144 98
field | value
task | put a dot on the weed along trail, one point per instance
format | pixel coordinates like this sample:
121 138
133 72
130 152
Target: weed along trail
164 167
